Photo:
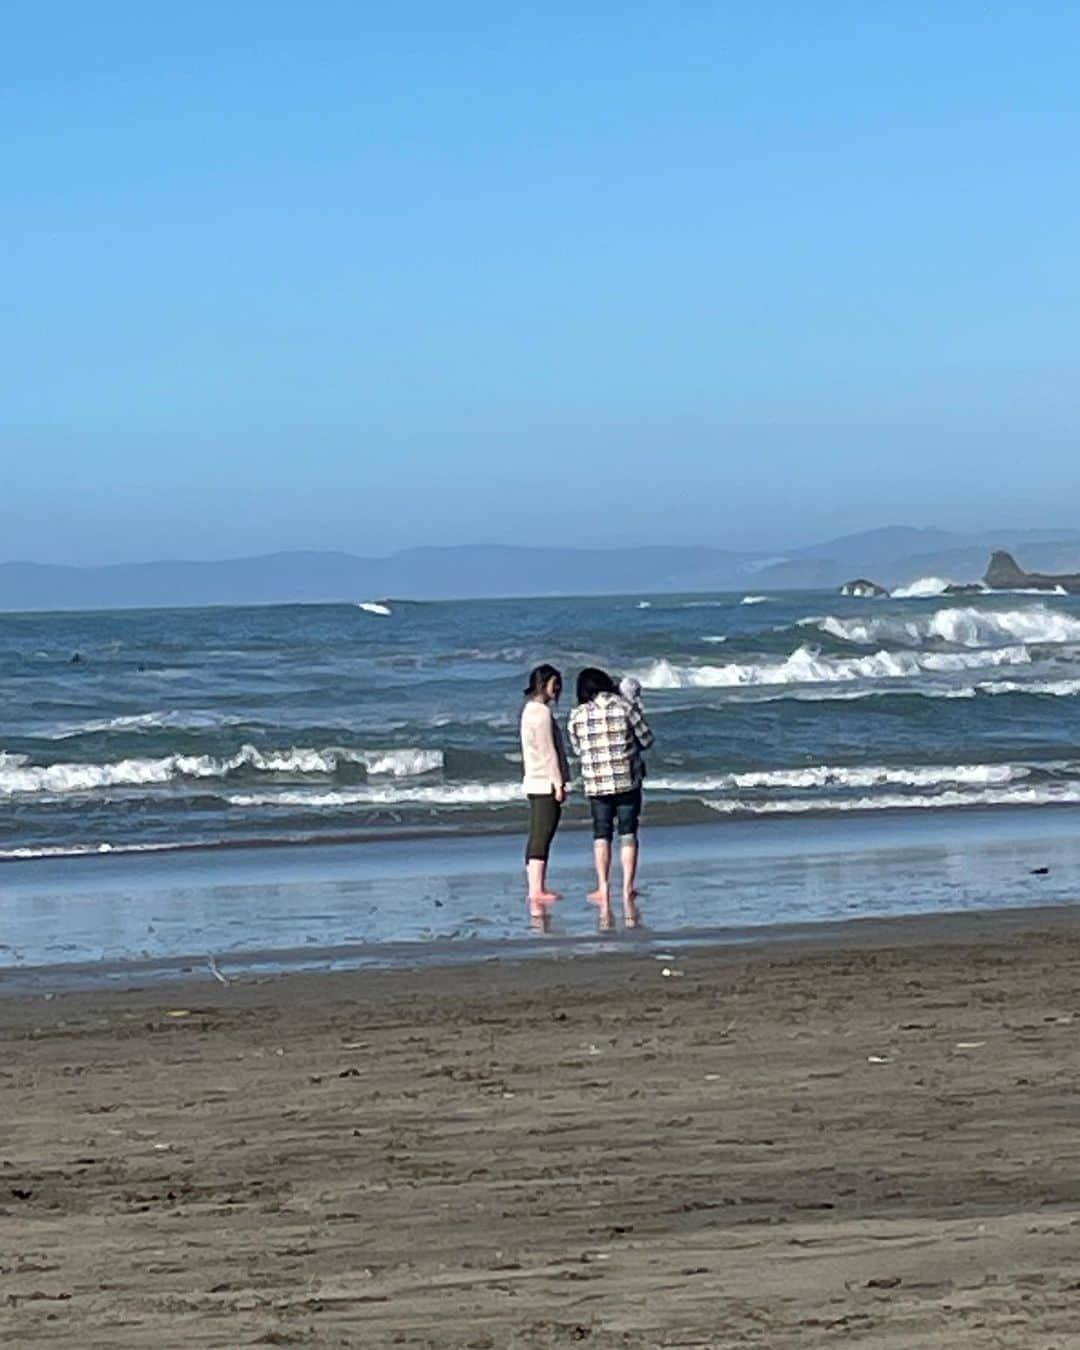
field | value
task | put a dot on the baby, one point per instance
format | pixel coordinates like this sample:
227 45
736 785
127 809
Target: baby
630 690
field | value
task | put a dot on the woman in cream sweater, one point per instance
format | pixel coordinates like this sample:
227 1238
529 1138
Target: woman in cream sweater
546 777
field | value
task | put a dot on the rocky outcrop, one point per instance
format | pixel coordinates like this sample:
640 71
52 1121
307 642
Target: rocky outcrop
1005 574
860 586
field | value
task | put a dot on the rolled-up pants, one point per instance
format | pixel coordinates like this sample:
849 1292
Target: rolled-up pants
544 815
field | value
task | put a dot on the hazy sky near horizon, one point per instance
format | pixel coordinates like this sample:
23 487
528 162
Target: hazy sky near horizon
367 276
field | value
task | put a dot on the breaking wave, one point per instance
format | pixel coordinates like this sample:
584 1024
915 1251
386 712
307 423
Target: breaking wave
963 626
449 794
841 776
18 778
1048 794
806 665
921 589
1055 688
173 719
81 850
1062 688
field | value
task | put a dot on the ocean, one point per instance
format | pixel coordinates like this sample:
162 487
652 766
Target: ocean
303 724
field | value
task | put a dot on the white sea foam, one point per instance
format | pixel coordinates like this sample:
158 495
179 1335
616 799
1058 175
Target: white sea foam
753 599
1044 795
919 590
12 761
403 763
1031 590
81 850
193 719
963 626
715 638
374 607
448 794
1055 688
495 721
831 694
806 665
64 778
1062 688
845 776
929 587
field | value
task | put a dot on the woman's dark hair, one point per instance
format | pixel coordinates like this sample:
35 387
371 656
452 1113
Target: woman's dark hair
592 682
539 677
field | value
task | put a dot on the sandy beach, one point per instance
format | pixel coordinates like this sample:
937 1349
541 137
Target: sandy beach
869 1134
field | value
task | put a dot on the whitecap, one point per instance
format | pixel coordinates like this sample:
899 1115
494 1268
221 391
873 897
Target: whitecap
81 850
753 599
922 588
449 794
374 607
74 777
1055 688
1030 590
807 665
844 776
403 763
1046 795
962 626
172 719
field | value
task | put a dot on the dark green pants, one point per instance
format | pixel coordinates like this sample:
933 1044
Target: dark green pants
544 813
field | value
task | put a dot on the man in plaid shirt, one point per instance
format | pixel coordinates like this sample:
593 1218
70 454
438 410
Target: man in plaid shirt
605 732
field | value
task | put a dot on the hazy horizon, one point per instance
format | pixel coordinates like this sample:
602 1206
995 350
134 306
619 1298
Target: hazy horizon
800 544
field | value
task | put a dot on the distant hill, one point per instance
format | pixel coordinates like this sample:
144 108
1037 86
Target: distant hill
891 556
898 555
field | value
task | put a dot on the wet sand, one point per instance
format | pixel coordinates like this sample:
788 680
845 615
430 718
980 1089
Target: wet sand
868 1137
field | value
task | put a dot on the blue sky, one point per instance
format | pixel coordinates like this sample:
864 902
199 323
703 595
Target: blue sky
366 276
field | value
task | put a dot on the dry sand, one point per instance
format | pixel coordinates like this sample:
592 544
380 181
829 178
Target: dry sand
867 1139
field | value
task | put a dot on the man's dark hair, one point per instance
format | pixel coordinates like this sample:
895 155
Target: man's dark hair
592 682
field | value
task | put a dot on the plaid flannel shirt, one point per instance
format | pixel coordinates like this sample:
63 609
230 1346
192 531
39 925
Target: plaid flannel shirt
604 733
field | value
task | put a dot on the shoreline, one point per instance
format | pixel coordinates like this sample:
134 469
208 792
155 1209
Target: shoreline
868 1134
125 918
578 824
592 958
327 976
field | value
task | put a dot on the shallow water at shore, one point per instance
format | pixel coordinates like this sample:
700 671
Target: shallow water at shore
150 916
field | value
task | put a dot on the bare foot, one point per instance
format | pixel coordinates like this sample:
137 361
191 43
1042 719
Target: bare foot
600 897
545 897
631 914
606 922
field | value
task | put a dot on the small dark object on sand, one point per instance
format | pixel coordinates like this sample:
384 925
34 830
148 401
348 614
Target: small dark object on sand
1040 871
